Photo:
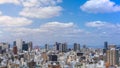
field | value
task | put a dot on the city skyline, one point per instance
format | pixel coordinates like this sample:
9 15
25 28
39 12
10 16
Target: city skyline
90 22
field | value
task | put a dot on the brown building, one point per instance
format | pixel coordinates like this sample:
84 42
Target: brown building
112 55
15 49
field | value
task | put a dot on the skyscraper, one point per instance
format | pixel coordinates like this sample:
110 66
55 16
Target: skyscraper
112 55
64 47
25 46
19 44
61 47
46 47
76 47
117 57
105 47
30 45
57 46
15 50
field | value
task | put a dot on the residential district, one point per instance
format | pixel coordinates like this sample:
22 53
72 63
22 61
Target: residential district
23 55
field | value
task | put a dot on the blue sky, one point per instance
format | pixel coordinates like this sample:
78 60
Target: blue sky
89 22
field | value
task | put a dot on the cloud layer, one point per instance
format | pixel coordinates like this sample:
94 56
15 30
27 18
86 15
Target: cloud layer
104 28
8 21
42 12
100 6
41 8
37 8
10 1
46 33
55 28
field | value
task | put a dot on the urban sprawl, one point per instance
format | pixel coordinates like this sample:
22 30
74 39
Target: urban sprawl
24 55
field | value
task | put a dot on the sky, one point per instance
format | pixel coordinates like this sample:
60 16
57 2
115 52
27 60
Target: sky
90 22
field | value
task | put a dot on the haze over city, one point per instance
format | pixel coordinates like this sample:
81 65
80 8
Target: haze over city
89 22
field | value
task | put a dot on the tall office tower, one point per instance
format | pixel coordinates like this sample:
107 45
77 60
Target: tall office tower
76 47
61 47
117 57
64 47
30 45
57 46
112 55
105 47
15 50
25 46
19 44
79 47
14 43
46 47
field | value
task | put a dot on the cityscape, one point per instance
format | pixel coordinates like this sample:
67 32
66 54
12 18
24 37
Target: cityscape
24 55
59 33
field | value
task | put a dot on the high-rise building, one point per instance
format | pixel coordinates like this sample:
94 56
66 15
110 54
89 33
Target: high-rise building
76 47
19 44
30 45
57 46
117 57
15 50
4 46
14 43
25 46
46 47
105 47
64 47
61 47
112 55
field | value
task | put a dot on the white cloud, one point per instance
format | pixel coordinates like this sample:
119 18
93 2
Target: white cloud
66 32
100 6
10 1
43 12
50 28
40 3
40 8
14 21
37 8
100 24
104 29
57 25
95 24
48 32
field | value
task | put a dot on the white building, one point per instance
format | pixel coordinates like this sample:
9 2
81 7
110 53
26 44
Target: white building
4 45
19 44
